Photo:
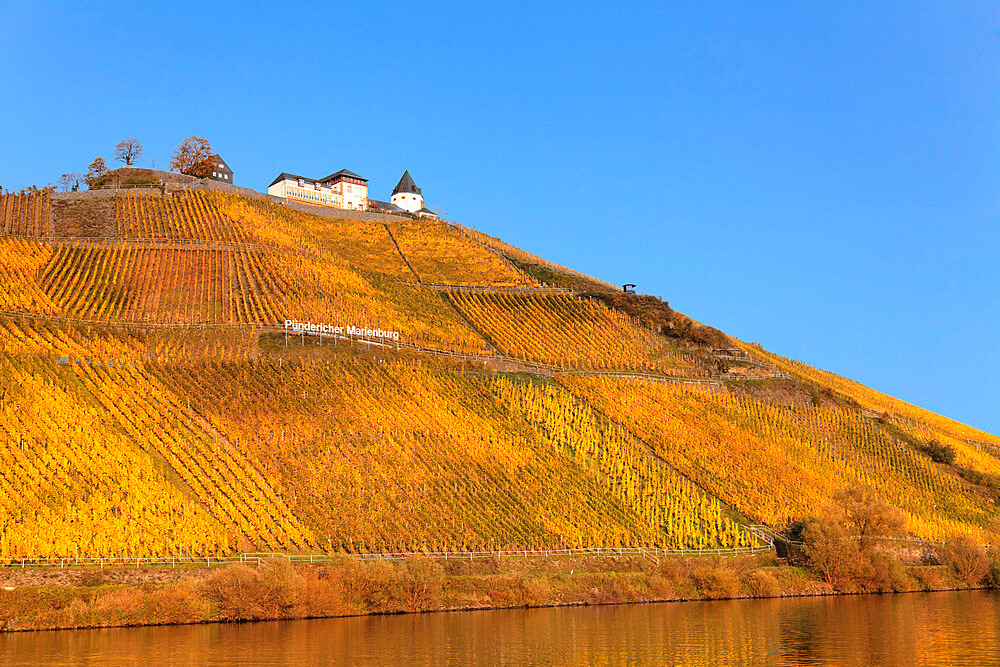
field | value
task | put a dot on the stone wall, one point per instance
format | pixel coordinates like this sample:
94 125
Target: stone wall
106 192
339 213
324 211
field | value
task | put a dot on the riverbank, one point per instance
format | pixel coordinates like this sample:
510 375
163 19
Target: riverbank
64 599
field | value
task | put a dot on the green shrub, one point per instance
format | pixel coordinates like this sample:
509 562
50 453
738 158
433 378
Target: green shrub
940 452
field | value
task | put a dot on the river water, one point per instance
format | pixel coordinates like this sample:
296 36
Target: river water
952 628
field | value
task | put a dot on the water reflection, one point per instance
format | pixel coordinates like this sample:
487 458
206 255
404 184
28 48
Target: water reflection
916 629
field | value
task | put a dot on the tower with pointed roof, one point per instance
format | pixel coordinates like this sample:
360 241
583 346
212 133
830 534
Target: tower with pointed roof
406 195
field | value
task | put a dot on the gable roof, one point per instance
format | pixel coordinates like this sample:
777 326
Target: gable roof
385 206
291 177
406 184
332 177
225 166
342 174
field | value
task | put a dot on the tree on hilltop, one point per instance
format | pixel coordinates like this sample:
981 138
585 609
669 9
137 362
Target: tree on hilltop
128 151
193 157
95 170
34 190
70 182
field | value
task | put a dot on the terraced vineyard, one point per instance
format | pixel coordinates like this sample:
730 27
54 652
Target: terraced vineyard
643 482
126 344
393 450
123 282
441 255
571 333
518 255
778 463
21 262
180 282
149 405
76 483
357 244
191 215
26 214
923 420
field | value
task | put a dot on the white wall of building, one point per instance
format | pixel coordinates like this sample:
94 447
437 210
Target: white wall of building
408 201
305 191
360 200
340 194
354 195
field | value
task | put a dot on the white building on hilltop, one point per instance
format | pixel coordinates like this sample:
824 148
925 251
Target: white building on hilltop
343 189
406 195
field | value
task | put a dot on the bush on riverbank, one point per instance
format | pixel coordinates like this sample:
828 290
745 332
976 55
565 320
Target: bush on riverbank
241 592
967 559
848 547
348 586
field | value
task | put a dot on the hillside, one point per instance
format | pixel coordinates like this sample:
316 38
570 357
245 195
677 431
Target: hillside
153 401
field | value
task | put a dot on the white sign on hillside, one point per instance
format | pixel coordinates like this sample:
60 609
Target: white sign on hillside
349 330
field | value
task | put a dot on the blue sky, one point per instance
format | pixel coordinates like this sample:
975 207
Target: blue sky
823 178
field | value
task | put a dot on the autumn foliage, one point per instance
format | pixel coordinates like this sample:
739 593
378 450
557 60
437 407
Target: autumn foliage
571 333
193 157
25 214
151 404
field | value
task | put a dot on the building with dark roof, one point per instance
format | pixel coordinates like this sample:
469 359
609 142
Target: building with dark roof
220 170
384 206
406 185
343 189
407 196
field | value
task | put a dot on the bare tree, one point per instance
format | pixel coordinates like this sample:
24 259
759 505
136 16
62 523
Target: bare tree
70 182
95 170
128 151
967 558
193 157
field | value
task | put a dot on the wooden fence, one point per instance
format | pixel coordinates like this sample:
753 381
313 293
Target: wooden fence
258 558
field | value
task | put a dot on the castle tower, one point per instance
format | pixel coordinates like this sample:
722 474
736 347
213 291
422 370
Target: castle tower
406 195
